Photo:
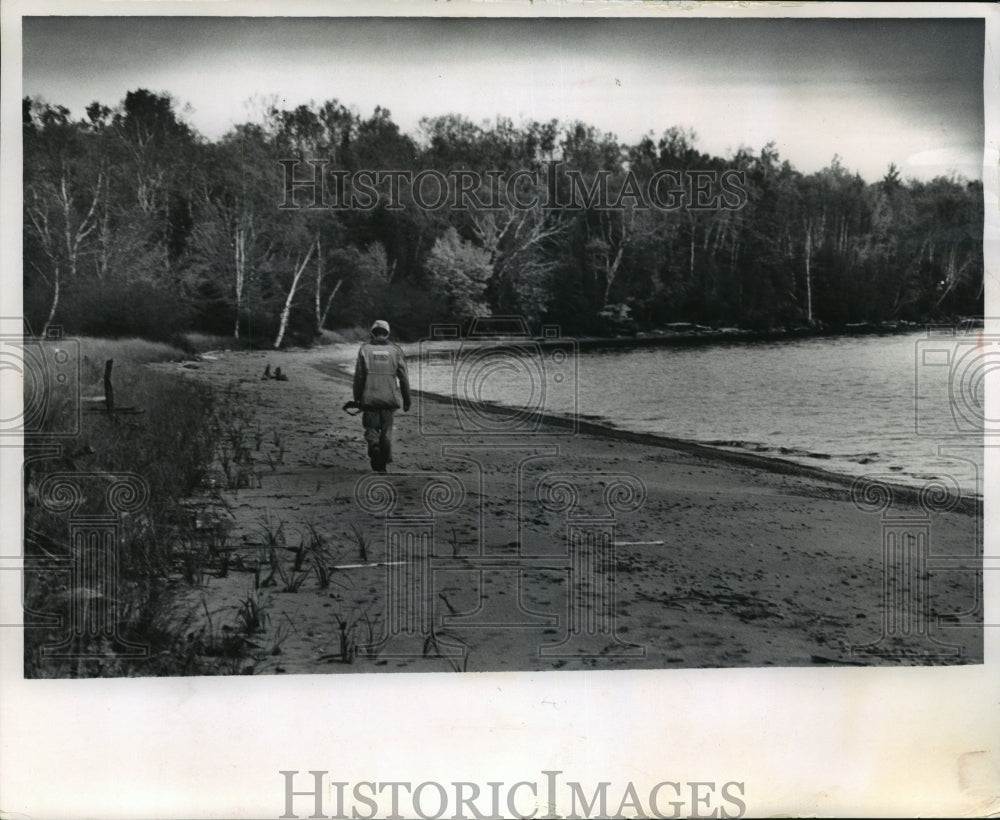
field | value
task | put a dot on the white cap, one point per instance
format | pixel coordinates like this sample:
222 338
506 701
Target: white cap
381 324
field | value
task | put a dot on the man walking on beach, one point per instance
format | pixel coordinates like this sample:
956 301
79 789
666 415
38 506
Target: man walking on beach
381 386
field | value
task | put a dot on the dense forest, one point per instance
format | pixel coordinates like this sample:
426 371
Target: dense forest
134 224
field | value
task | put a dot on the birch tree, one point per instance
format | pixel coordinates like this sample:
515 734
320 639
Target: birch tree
51 212
291 295
607 247
518 244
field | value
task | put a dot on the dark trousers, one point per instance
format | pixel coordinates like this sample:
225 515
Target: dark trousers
378 434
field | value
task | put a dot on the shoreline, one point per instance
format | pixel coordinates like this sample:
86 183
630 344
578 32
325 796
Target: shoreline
969 504
703 335
723 560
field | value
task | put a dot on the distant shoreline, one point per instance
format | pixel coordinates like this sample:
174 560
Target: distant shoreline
694 335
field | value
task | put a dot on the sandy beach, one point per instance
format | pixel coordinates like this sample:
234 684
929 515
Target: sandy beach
549 550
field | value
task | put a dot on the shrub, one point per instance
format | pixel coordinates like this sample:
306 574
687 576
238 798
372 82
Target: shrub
120 309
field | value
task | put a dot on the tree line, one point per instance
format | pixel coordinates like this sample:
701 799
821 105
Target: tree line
134 224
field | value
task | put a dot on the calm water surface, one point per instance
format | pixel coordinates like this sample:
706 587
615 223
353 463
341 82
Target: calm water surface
846 404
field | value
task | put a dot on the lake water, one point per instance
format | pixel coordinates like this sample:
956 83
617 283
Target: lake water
903 406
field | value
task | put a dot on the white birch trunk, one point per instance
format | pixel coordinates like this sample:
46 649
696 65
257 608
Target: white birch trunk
240 275
809 293
329 302
55 304
319 284
291 295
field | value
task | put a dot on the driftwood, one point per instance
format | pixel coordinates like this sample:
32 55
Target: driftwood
277 375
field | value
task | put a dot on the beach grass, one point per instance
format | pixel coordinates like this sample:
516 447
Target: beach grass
165 440
732 559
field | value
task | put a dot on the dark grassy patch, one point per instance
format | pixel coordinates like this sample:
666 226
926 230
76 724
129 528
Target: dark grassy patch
160 554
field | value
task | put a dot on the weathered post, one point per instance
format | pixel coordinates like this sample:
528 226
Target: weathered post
109 391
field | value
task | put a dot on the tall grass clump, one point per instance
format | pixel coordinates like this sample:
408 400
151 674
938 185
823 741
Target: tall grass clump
170 445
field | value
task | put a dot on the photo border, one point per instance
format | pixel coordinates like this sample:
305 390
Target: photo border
844 741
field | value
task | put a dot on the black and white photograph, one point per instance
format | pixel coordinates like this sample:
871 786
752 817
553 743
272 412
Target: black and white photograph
635 359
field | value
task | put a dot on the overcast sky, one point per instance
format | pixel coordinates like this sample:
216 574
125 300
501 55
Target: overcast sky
873 91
